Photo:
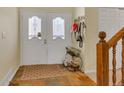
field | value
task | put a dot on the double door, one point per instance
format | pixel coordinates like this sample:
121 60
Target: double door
44 37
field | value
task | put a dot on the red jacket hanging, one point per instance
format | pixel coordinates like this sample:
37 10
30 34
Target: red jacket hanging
74 27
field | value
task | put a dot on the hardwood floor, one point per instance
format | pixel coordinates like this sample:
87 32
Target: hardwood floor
49 75
92 75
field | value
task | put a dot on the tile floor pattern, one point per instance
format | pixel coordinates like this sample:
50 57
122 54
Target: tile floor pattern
49 75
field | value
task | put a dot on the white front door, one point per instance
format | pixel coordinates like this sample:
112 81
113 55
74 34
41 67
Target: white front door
44 37
59 36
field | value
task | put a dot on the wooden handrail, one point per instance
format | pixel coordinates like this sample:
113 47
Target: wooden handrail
103 47
116 38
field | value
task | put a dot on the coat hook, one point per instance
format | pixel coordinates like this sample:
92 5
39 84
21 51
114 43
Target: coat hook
81 18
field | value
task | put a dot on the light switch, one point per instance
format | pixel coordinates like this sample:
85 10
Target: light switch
3 35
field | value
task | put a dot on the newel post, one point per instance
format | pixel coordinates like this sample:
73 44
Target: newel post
102 61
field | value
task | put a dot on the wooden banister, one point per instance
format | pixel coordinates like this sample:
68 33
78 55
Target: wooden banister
116 38
103 57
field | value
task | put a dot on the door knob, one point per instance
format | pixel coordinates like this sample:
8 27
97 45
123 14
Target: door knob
45 41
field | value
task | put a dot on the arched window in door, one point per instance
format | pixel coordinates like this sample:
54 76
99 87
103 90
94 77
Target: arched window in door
34 27
58 28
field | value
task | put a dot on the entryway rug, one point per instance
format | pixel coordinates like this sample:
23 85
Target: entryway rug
49 75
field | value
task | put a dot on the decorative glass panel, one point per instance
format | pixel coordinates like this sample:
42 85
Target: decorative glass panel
58 28
34 27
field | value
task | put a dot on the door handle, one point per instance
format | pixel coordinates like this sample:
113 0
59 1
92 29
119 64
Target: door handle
45 41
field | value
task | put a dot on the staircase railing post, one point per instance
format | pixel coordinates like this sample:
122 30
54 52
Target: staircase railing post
102 61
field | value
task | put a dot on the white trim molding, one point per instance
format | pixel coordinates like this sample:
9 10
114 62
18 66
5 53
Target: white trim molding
8 77
90 71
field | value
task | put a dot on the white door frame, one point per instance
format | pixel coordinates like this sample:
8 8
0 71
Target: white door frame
21 32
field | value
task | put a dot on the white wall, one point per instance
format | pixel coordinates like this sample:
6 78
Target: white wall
91 37
49 9
79 11
9 47
92 21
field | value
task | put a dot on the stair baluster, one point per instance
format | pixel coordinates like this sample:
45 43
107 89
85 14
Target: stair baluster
114 65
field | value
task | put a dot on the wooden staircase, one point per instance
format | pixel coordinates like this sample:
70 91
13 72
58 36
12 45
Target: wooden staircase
103 47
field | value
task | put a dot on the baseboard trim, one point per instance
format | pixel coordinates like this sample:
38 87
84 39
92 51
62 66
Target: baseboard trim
8 77
94 70
90 71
